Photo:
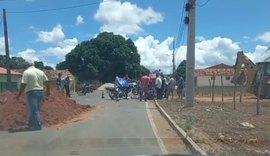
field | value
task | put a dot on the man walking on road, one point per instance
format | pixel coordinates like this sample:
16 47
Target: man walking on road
33 81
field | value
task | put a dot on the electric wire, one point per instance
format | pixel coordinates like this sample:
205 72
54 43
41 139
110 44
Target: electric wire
56 9
181 25
201 5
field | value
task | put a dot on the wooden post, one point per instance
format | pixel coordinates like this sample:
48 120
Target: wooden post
222 98
210 86
213 85
234 90
241 92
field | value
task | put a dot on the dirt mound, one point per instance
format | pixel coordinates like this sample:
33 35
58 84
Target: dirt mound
55 109
105 85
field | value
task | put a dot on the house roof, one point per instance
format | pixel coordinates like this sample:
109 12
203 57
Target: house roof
220 66
214 72
4 71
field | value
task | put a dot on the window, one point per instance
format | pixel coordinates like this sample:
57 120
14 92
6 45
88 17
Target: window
228 77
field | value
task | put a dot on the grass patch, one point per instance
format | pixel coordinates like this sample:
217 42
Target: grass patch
190 120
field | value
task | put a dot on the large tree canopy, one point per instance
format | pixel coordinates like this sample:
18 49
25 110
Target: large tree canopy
104 57
181 69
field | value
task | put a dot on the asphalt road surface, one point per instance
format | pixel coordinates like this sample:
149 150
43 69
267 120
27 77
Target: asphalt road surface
114 128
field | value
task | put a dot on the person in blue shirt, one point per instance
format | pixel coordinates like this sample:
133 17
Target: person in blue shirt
180 87
58 81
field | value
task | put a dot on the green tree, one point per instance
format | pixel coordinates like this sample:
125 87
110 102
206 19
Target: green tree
47 68
104 57
18 63
39 64
62 66
181 69
15 62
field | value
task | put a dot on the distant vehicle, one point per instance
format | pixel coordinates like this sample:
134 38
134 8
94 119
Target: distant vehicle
85 88
248 73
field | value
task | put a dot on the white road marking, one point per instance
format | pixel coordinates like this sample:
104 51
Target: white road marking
154 128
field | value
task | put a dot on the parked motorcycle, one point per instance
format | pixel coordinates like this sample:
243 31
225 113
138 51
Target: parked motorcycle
133 88
84 89
116 93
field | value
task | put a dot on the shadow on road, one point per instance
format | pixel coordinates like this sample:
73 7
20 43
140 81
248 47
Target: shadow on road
23 129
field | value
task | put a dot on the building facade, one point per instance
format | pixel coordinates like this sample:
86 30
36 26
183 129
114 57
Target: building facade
217 73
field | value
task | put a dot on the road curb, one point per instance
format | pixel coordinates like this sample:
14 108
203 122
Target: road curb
194 147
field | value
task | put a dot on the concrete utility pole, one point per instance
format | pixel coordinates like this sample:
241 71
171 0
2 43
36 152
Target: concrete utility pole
190 8
173 59
7 51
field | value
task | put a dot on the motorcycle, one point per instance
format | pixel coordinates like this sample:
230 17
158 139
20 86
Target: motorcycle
116 93
133 88
84 89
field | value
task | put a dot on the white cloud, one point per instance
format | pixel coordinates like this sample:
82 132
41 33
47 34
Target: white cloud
55 36
156 54
215 51
79 20
125 18
58 52
2 46
29 55
62 49
264 37
259 55
199 38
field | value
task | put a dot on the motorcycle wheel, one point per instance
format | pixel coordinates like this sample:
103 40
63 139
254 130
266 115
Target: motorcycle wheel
111 95
135 91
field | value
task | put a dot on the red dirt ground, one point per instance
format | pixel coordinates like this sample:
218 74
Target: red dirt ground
55 109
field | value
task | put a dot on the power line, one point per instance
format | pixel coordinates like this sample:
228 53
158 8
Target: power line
201 5
180 30
55 9
182 40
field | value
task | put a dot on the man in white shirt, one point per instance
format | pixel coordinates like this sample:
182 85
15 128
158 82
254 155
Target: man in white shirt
33 81
158 86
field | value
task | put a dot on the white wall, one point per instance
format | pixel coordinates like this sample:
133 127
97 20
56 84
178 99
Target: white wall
203 81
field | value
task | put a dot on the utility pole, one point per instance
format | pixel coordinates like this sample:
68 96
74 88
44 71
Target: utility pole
7 51
190 8
173 59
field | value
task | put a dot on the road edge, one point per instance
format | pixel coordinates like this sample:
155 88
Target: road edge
154 129
194 147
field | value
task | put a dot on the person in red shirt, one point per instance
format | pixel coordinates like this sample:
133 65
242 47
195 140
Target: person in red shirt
145 80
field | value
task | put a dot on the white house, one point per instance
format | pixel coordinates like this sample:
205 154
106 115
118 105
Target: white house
203 77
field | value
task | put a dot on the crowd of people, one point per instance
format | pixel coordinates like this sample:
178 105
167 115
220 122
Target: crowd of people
160 86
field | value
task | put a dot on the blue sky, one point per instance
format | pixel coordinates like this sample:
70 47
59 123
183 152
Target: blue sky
222 28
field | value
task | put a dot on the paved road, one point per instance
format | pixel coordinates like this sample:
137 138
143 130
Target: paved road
115 128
